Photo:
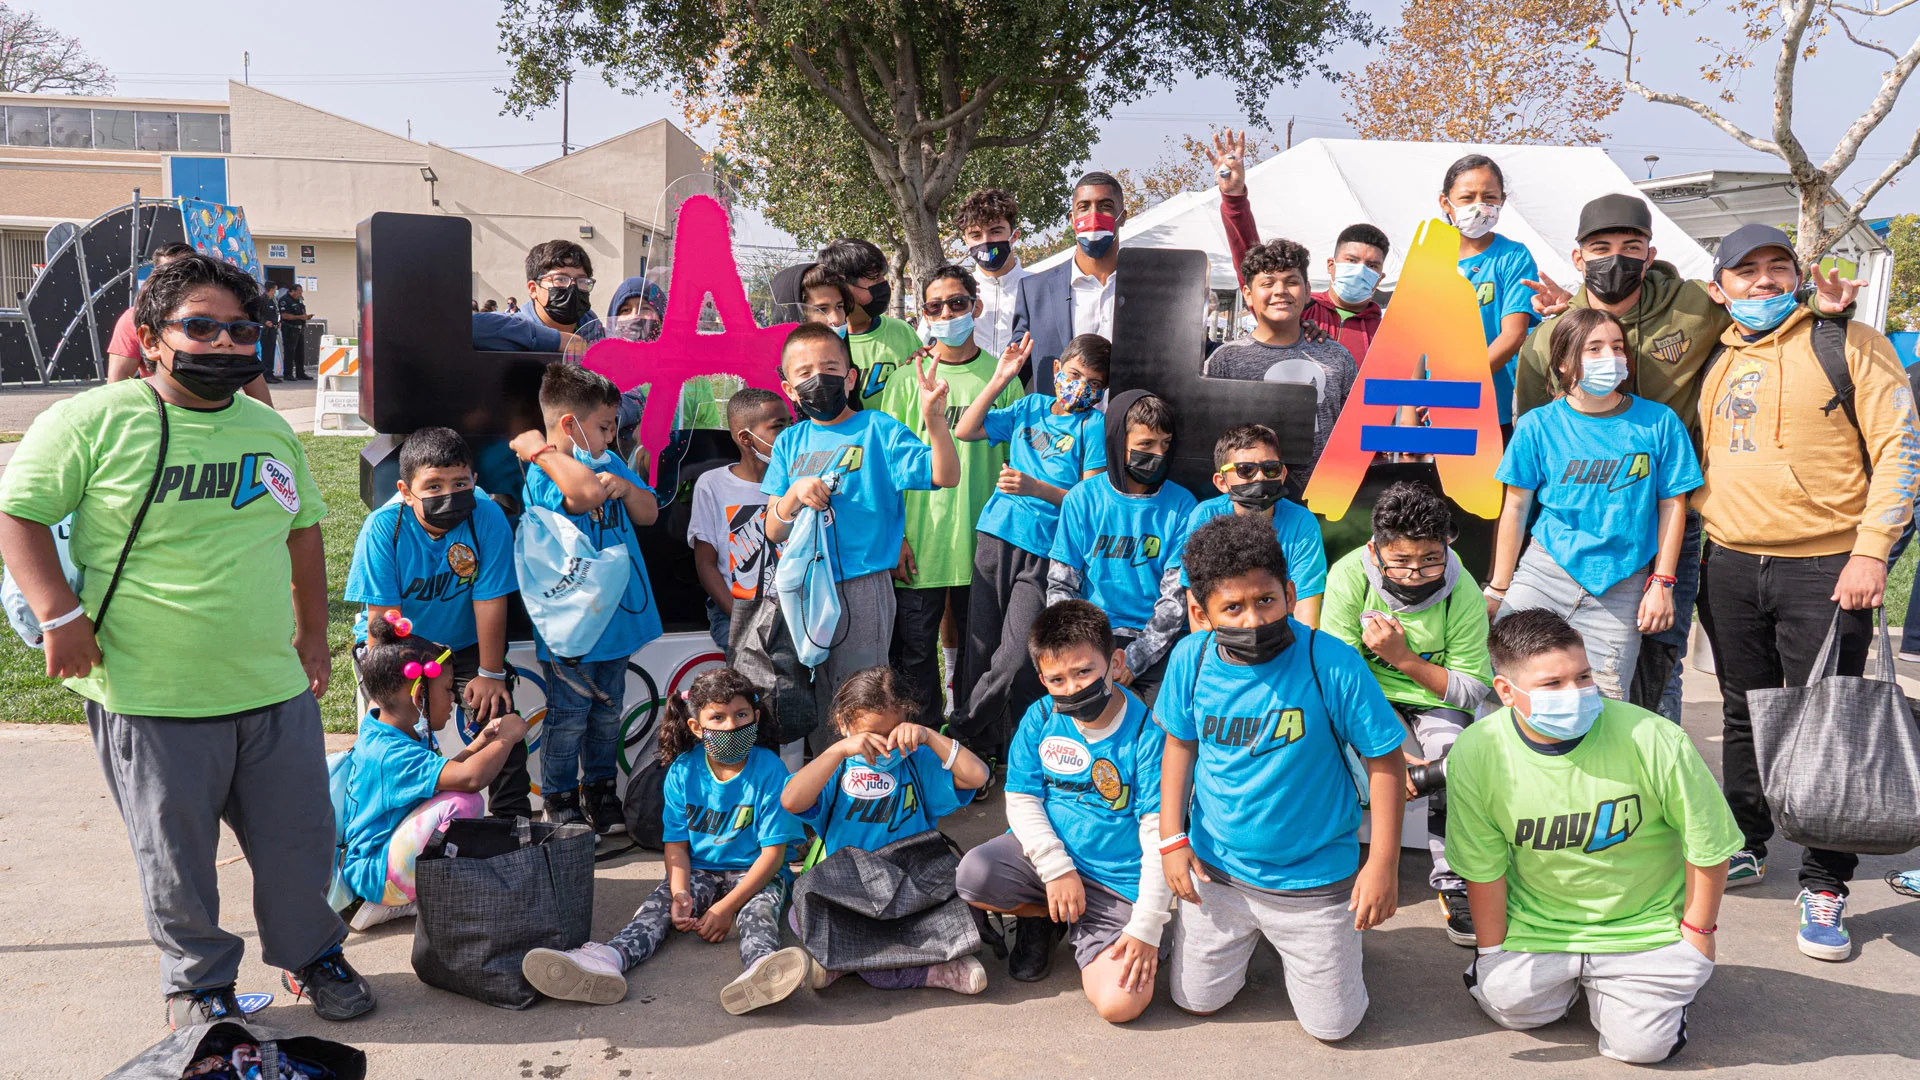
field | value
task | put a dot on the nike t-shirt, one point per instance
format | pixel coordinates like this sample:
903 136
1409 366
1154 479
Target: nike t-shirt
730 514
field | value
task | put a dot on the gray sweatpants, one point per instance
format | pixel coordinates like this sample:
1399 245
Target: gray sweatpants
265 774
1610 622
864 639
1637 1001
1311 930
1436 730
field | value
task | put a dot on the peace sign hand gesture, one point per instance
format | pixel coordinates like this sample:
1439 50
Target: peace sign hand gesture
1229 156
1013 360
933 390
1833 294
1549 298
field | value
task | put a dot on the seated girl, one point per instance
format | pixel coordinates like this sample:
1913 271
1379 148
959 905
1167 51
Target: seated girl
400 791
839 794
726 837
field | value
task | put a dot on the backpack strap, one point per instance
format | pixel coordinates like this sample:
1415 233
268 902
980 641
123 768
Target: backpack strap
1830 349
140 516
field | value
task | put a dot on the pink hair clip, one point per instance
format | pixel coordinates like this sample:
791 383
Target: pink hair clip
402 626
414 669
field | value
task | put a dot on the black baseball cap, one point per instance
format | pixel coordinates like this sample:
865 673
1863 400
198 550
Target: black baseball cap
1746 240
1615 213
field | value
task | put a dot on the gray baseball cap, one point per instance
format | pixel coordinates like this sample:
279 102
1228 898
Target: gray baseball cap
1748 239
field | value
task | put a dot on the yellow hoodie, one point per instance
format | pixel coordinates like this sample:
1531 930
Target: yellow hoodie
1784 478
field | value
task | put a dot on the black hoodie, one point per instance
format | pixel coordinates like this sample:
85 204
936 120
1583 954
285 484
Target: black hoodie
1117 408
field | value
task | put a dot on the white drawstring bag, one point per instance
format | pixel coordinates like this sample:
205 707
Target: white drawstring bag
571 588
19 615
809 595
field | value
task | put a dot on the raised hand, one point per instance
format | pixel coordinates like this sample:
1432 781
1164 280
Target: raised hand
933 388
1013 359
1833 294
1548 297
1229 156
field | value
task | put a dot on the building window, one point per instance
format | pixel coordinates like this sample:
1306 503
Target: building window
71 128
226 136
26 126
112 129
158 131
200 131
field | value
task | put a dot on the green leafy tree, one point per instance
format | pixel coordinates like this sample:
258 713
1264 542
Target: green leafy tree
915 88
1903 299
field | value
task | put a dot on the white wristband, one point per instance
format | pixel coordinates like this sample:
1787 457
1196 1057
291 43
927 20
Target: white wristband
497 676
953 755
62 620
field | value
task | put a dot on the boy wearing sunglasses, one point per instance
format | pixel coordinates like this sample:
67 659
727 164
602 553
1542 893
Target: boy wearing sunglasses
1251 478
936 558
201 689
1405 602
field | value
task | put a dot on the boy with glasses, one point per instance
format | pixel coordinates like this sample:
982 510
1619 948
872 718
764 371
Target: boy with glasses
1251 479
1415 614
560 290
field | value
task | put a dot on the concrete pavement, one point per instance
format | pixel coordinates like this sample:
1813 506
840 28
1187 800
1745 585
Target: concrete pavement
79 993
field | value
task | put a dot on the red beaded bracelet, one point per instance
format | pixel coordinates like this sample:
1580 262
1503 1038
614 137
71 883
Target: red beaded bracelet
1667 580
1685 925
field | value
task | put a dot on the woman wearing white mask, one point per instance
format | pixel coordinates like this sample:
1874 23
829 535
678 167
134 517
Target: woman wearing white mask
1471 197
1611 473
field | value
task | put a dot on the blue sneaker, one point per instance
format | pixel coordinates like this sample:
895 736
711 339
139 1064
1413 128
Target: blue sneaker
1905 882
1746 868
1823 928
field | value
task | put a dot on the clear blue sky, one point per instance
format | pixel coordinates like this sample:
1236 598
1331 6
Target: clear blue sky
387 64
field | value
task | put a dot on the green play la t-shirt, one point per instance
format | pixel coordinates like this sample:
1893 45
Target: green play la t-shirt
884 355
940 523
1451 632
202 623
1590 841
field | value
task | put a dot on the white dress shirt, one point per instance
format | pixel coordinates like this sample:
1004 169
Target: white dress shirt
1093 304
993 330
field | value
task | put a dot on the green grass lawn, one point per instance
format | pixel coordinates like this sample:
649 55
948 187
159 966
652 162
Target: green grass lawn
34 699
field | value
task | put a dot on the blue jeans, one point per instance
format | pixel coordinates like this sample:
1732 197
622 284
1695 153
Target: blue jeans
574 719
1607 622
719 624
1686 594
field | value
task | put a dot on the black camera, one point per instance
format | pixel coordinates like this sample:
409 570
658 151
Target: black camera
1428 779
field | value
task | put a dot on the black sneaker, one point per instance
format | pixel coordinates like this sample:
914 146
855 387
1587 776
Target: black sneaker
202 1007
1033 942
563 808
336 990
603 808
1459 917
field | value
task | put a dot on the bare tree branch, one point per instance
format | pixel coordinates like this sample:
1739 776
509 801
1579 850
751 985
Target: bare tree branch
1851 36
1886 176
1874 12
1787 145
1707 113
1848 147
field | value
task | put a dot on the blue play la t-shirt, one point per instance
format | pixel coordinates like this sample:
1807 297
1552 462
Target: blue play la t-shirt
1274 802
1598 481
1095 792
1496 274
433 582
725 824
1119 544
391 772
1046 446
870 806
878 461
637 621
1299 534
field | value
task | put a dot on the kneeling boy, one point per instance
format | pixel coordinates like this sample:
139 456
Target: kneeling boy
1262 714
1594 843
1083 797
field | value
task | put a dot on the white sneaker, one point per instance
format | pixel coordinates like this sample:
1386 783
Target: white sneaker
371 914
818 977
593 973
773 977
965 975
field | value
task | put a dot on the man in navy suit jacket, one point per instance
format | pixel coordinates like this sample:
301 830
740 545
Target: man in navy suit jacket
1075 297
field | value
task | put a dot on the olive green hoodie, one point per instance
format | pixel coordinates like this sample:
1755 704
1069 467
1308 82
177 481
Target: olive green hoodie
1671 331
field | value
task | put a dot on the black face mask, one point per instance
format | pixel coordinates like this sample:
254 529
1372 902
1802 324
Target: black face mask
212 376
882 295
823 397
1252 645
1412 595
1087 703
444 512
1257 494
991 255
1145 468
1613 279
567 304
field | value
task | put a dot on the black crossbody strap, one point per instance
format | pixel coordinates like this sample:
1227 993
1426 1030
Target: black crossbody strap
1830 349
153 488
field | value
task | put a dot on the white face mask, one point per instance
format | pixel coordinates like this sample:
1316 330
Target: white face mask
1476 220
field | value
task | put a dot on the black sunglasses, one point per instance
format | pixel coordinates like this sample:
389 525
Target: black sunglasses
1253 470
199 328
952 305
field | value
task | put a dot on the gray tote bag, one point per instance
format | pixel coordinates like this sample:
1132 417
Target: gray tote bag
1840 756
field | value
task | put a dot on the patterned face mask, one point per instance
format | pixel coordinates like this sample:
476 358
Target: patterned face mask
1076 395
731 747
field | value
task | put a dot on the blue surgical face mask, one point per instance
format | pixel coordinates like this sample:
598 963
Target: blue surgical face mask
841 330
592 461
890 760
1353 283
954 331
1564 714
1602 375
1761 315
